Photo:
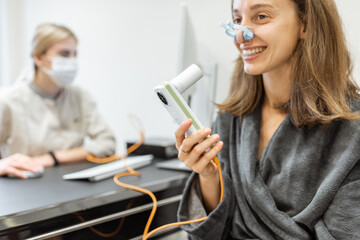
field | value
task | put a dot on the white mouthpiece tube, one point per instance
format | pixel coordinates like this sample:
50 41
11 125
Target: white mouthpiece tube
187 78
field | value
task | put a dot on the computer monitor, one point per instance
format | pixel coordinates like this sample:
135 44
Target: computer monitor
201 96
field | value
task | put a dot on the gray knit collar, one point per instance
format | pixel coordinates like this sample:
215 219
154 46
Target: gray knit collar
37 90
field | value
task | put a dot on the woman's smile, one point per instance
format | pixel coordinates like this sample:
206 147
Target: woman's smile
251 53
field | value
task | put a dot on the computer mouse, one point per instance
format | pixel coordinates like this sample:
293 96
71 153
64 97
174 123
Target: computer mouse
28 174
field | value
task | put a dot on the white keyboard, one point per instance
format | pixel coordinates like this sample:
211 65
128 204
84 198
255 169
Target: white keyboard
173 164
107 170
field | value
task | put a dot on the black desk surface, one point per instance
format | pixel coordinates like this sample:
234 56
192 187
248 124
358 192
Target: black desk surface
28 201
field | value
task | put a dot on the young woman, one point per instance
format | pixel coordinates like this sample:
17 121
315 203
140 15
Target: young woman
44 122
288 129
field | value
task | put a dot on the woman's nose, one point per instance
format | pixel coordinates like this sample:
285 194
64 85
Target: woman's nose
244 36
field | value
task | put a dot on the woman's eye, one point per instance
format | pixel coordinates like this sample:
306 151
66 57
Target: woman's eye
64 53
261 17
237 21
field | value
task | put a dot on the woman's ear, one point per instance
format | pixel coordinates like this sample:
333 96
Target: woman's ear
37 61
302 30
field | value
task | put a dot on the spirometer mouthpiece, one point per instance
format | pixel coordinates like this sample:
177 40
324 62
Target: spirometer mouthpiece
230 30
187 78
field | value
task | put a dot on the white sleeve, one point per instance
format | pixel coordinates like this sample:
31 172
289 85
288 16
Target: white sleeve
102 140
5 121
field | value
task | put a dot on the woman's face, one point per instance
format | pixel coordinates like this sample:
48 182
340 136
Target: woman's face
277 30
64 48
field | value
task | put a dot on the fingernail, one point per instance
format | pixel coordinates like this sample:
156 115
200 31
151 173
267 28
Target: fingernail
187 121
216 136
207 130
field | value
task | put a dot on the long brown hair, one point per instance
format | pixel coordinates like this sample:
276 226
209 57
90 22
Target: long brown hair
322 85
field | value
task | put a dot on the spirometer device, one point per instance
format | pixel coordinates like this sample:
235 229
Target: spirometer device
170 95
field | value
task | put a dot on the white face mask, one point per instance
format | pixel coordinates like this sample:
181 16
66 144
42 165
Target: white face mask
63 70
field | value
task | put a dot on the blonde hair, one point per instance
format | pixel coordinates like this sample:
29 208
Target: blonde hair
47 35
322 83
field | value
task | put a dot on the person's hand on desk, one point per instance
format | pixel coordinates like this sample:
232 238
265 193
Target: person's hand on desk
20 165
17 163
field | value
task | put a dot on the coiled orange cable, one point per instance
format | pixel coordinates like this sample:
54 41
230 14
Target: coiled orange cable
146 235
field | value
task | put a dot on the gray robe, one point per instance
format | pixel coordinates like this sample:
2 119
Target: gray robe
306 184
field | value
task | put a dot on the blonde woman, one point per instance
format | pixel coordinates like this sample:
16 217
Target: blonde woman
44 122
289 132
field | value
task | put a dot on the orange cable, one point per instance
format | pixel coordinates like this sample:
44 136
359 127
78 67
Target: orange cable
142 190
97 159
137 125
146 235
116 231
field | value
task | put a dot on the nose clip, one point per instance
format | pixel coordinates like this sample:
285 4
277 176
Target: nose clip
230 30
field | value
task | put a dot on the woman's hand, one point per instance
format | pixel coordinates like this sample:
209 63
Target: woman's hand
16 163
195 151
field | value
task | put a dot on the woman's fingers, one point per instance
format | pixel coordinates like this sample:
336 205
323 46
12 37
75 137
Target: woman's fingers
192 140
200 149
200 158
206 160
180 132
194 150
27 166
16 172
23 162
17 163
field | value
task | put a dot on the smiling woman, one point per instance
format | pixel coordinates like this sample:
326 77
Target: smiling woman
290 166
317 62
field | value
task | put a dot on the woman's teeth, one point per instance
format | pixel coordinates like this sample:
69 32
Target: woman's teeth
252 51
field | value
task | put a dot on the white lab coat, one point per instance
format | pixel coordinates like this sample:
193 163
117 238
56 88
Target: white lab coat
34 123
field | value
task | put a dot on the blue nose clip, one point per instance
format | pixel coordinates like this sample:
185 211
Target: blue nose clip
230 30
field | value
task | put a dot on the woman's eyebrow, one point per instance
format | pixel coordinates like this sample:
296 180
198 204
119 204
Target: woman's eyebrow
261 5
256 6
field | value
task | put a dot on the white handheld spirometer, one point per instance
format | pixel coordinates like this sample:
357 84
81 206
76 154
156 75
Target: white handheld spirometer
170 95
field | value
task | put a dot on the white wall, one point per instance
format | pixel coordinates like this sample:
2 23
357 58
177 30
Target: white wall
11 40
349 10
128 46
